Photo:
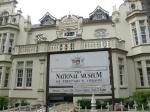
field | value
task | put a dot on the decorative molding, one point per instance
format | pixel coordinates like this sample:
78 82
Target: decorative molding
40 37
69 23
101 33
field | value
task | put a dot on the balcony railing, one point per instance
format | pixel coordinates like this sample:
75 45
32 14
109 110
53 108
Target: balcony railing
70 45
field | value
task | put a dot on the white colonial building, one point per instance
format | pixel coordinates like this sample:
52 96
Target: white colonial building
24 47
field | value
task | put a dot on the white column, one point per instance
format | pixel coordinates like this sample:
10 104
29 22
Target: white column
144 69
147 32
7 43
9 19
1 43
41 83
138 32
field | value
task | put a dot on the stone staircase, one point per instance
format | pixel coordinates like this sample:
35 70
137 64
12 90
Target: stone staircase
62 107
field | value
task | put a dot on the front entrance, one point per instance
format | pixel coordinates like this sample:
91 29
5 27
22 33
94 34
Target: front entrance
53 98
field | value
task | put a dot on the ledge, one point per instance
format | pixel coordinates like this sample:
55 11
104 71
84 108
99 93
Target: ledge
143 88
123 87
4 89
22 89
40 90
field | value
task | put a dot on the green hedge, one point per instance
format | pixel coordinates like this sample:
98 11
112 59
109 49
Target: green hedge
141 97
3 102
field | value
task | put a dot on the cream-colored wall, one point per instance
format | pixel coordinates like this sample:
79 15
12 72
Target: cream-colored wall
49 33
120 91
22 35
131 75
123 28
89 30
30 93
8 7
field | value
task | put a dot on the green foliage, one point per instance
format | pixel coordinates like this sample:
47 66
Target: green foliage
3 102
24 102
142 97
85 103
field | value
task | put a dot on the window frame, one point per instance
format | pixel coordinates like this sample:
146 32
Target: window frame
121 64
24 76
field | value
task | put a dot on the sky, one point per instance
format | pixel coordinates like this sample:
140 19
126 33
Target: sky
59 8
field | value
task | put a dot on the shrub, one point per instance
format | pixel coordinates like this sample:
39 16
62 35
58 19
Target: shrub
85 103
3 102
142 97
24 102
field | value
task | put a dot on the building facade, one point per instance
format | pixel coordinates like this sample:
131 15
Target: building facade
24 47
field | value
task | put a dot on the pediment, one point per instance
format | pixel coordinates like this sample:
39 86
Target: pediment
69 22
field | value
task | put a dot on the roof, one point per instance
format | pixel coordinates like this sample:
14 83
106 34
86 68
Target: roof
48 14
98 8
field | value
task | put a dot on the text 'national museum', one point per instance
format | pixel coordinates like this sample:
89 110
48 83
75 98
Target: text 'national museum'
25 47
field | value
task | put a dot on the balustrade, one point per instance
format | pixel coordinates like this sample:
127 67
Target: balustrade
68 45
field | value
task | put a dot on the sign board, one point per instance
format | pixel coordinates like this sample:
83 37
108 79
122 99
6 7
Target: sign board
80 72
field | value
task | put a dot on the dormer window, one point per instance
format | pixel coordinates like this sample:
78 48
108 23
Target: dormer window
99 14
69 34
133 7
48 19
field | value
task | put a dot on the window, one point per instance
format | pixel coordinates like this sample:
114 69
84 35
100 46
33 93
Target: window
6 20
134 33
24 74
10 45
143 32
6 77
0 74
140 73
100 33
3 44
69 34
1 21
148 71
61 47
28 73
14 20
121 71
66 46
133 7
141 76
71 46
20 74
148 75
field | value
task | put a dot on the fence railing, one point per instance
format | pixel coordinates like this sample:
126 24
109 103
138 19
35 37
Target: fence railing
68 107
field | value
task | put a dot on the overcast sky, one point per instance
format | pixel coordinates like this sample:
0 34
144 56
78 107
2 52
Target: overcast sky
59 8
